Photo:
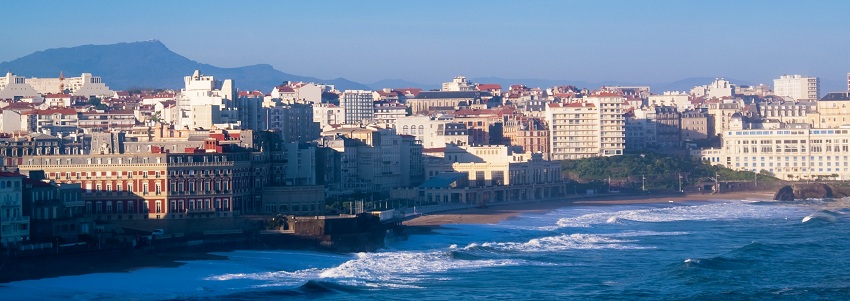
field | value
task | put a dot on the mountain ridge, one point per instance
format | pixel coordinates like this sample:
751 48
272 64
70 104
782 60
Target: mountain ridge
149 64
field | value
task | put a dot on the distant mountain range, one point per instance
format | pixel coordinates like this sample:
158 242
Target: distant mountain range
149 64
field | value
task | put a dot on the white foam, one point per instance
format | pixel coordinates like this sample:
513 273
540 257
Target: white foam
384 269
710 211
563 242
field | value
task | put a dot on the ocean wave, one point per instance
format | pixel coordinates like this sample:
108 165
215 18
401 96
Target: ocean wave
710 211
562 242
823 216
717 263
375 270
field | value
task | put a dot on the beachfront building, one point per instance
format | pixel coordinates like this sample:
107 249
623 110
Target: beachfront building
589 127
153 185
489 174
792 152
14 226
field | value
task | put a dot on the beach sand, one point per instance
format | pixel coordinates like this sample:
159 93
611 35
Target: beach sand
497 213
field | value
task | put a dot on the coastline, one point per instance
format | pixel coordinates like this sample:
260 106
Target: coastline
128 260
499 212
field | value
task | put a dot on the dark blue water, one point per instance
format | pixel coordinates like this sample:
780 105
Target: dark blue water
735 250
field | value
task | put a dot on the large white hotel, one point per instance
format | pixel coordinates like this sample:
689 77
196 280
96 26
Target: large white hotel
791 153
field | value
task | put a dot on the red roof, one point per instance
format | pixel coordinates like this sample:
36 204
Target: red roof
250 93
606 94
55 111
285 89
571 105
57 96
483 87
412 91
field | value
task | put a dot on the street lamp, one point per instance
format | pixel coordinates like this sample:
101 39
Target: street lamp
680 182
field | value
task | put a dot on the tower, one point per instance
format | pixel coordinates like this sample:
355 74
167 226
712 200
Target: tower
61 83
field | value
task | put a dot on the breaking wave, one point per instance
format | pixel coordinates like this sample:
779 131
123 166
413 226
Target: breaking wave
711 211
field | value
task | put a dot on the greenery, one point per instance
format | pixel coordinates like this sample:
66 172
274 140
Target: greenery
653 171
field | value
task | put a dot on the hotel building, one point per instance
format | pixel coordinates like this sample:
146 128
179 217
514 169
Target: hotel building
794 152
153 185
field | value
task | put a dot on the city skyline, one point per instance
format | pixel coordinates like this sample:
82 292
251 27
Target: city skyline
645 43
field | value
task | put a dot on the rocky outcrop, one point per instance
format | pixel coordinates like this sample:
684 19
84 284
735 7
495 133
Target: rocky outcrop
786 193
810 190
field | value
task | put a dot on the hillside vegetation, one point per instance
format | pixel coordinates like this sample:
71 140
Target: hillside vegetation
652 171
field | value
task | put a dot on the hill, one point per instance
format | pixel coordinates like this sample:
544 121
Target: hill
149 64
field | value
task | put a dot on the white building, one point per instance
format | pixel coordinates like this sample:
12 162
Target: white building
458 84
718 89
795 152
84 85
206 103
358 106
797 87
327 114
433 132
680 100
589 127
13 86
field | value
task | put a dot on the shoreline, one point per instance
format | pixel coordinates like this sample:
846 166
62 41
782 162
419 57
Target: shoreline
129 260
499 212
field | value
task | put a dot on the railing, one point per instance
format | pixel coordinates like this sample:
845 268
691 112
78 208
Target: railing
200 210
11 203
16 219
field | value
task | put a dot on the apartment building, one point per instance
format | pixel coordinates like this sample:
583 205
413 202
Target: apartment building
797 87
589 127
358 106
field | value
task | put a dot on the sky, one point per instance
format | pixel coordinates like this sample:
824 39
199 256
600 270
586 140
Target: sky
655 41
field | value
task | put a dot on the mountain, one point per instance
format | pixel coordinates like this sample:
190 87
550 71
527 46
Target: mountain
149 64
400 83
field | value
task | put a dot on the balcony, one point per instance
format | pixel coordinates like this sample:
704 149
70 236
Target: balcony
9 203
200 210
16 220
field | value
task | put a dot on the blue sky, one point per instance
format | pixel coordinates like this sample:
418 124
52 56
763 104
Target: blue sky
432 41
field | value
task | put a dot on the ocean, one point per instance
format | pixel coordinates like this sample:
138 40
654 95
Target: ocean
718 250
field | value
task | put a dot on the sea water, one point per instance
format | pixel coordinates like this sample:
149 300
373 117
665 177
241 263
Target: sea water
719 250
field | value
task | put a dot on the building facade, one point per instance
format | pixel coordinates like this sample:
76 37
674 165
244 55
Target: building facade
797 87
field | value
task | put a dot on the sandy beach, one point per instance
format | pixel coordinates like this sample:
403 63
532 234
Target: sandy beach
497 213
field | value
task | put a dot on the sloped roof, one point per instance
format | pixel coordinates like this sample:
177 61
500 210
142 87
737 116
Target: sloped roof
443 180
